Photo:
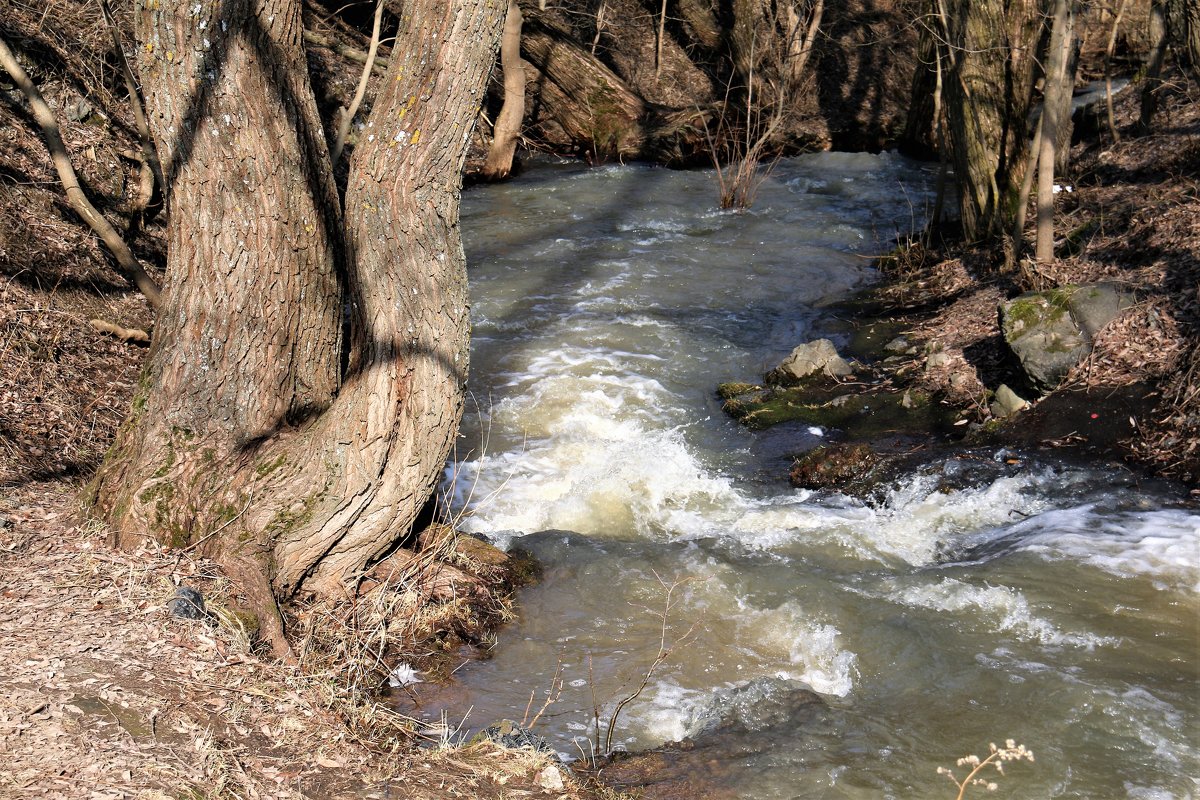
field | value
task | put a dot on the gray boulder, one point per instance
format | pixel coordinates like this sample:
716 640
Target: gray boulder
814 358
1050 332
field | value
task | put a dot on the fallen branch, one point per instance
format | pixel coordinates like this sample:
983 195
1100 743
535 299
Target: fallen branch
149 154
127 335
352 53
127 263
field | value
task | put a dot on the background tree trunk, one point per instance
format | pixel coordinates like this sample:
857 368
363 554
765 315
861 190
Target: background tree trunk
1056 106
588 100
249 440
920 128
1183 25
987 47
1154 63
507 130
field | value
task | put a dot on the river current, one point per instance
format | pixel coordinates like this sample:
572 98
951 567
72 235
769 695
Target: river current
1051 604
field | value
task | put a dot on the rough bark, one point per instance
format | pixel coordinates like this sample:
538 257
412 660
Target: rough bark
700 22
263 436
499 162
988 49
1183 22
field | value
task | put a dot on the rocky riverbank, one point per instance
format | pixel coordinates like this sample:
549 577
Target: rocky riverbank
1094 353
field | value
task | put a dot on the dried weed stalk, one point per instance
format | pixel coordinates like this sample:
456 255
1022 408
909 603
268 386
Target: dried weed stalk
997 757
665 651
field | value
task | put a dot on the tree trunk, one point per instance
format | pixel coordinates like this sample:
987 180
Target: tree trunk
920 137
701 23
1056 107
270 432
1154 64
499 161
1183 23
987 47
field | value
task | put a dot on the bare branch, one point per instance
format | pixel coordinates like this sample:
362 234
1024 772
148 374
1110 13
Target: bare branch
149 153
344 128
127 262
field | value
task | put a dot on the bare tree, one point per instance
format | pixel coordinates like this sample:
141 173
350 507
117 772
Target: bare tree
305 381
986 50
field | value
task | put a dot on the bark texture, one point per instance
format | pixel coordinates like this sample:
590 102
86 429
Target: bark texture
305 382
589 101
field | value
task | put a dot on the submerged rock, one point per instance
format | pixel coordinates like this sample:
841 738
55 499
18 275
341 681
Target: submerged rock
758 705
1050 332
818 358
735 724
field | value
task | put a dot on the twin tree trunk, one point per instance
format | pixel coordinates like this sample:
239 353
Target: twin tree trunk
305 382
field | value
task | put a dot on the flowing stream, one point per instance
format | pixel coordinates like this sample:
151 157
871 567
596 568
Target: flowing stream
1054 605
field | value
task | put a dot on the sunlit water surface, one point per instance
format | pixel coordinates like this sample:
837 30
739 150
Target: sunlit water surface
1056 606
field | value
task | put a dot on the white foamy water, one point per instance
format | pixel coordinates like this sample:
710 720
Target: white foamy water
997 608
1030 603
1162 546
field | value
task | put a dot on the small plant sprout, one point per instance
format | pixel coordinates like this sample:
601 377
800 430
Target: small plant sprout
996 758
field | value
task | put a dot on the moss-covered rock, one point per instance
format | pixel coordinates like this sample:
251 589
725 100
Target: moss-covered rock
1050 332
861 416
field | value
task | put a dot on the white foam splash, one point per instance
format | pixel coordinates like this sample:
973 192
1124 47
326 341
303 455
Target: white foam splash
1003 608
912 523
1162 545
808 650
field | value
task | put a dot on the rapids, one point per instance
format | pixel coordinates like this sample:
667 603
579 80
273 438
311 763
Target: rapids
1051 604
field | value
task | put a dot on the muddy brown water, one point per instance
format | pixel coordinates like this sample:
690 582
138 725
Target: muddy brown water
1053 605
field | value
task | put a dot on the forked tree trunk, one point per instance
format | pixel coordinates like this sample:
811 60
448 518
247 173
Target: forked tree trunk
305 381
507 130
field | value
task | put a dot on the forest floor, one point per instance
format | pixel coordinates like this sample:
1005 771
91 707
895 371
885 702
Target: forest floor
105 694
